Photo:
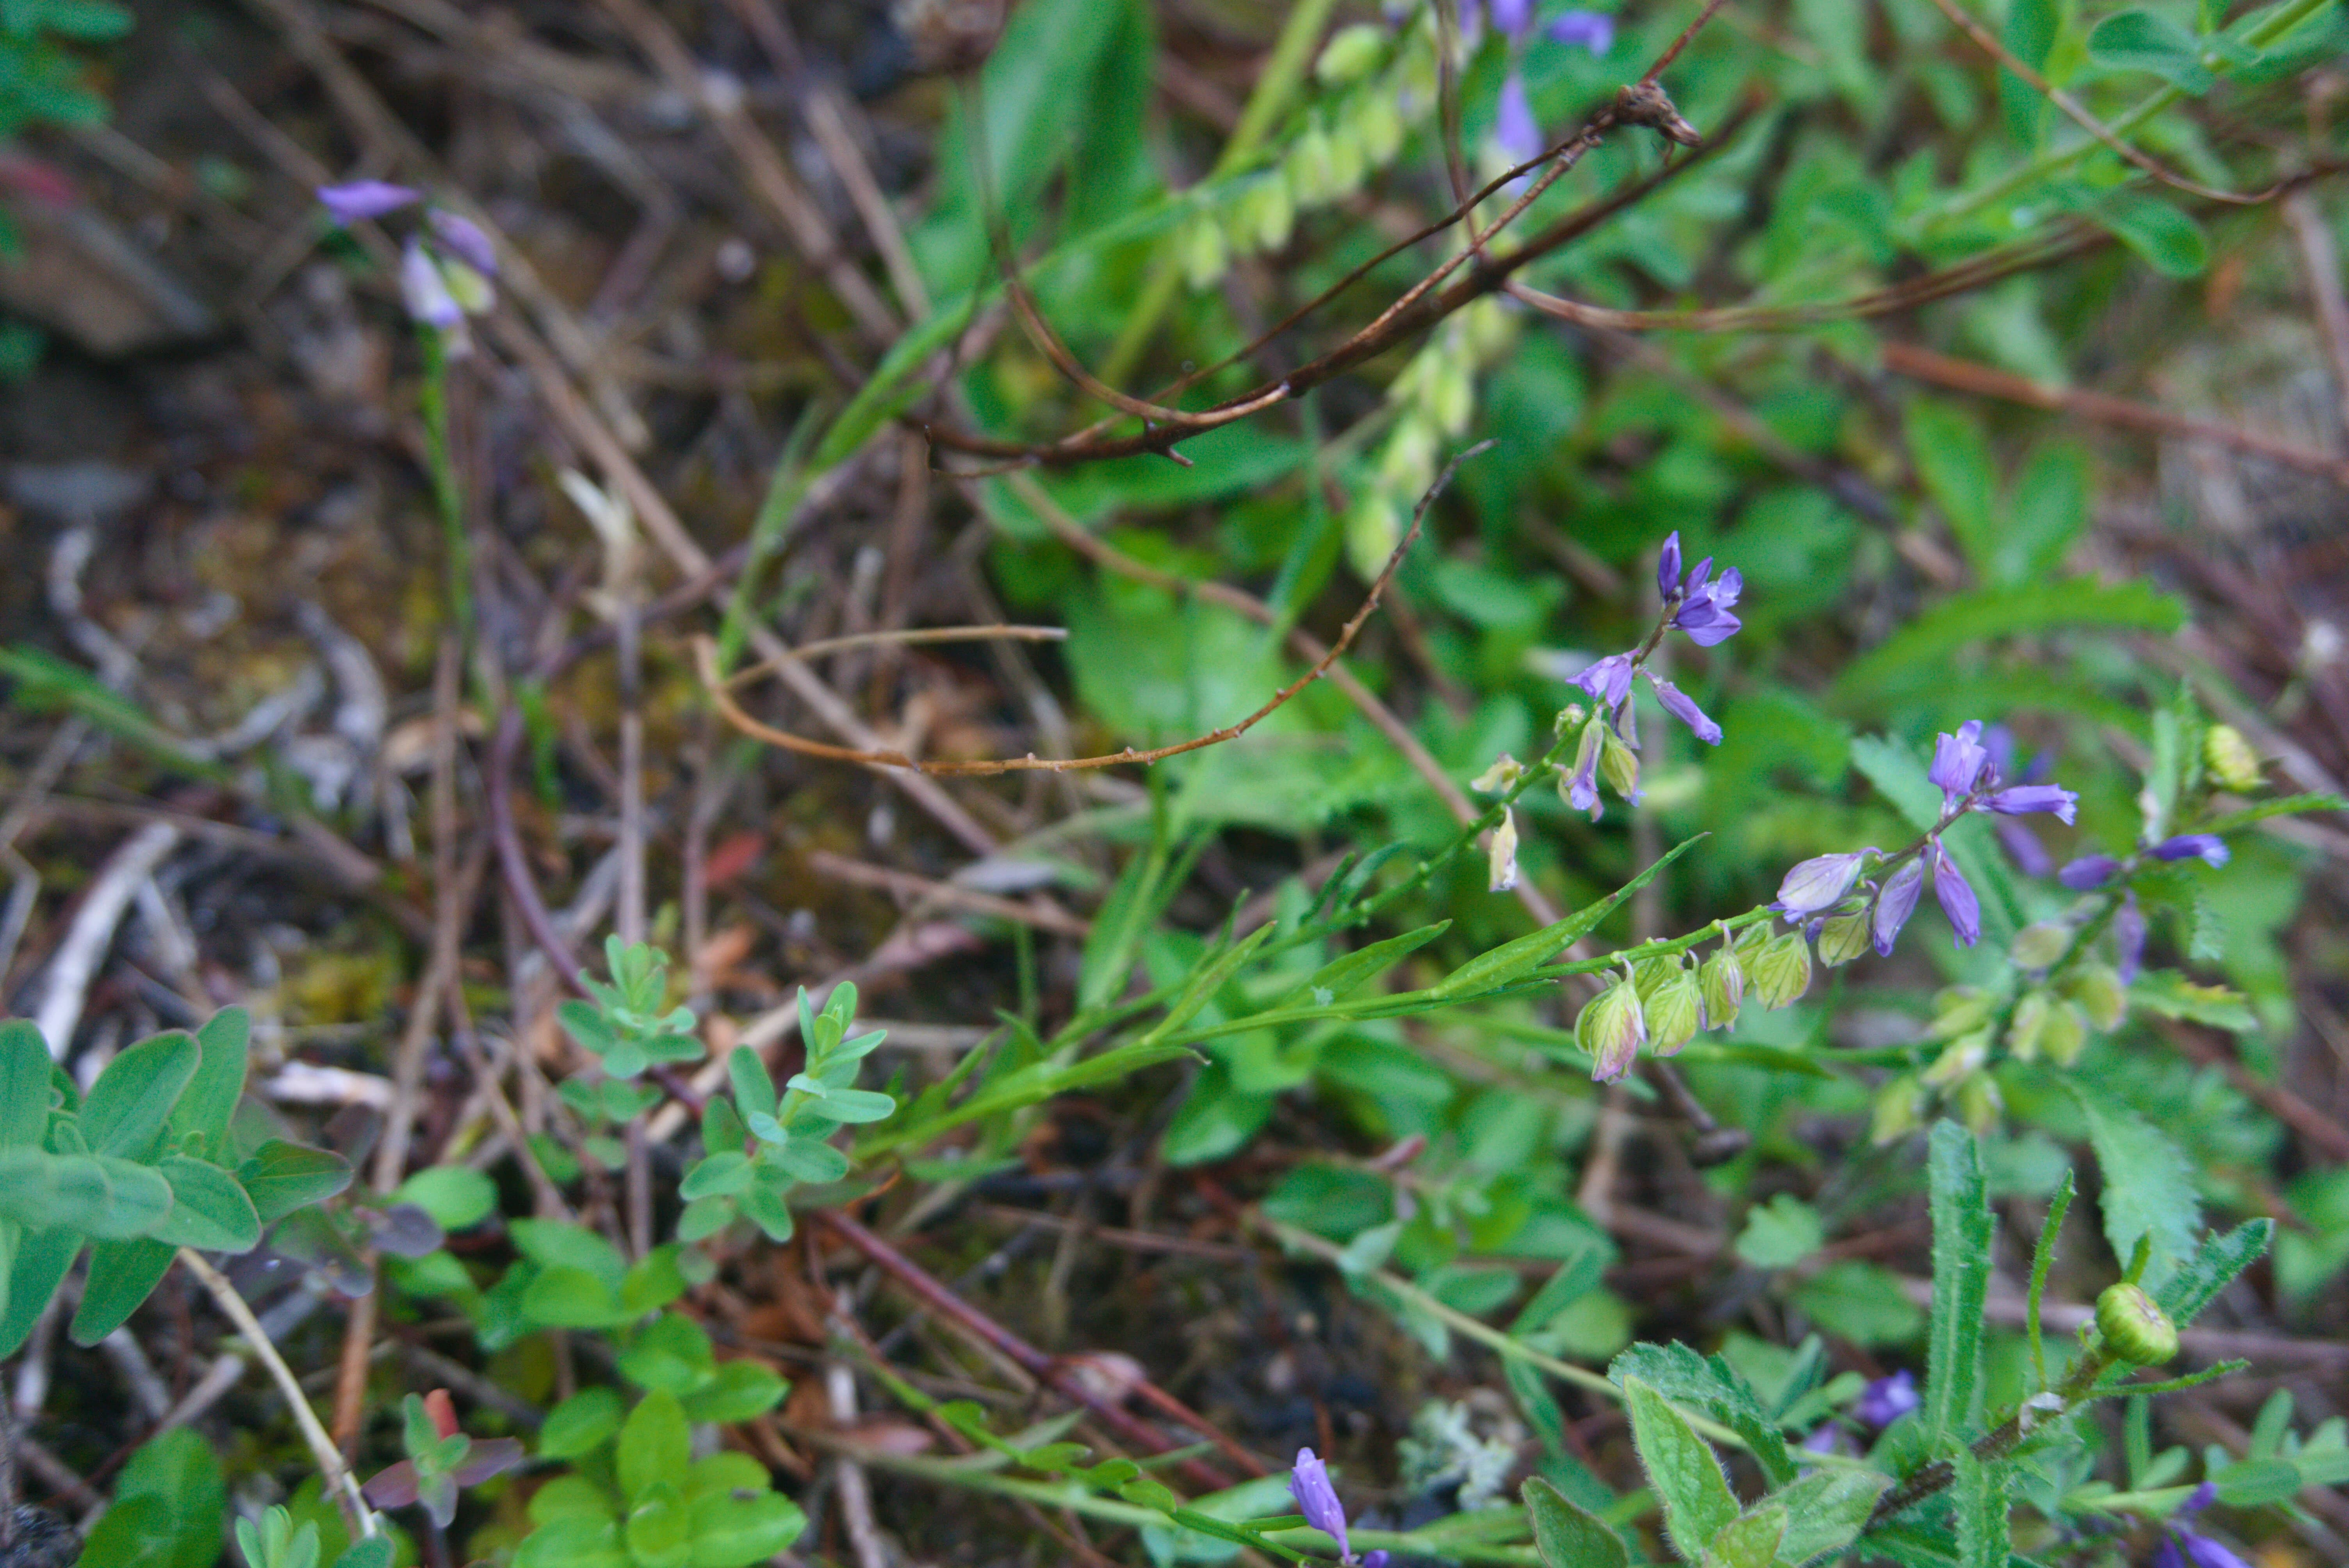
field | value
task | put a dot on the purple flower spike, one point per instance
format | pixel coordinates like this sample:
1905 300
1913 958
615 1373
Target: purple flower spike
1958 762
2023 798
1591 30
1895 904
2208 848
465 241
2089 872
1957 896
1609 681
1888 1400
1515 126
1818 883
2128 937
425 291
1677 705
1668 566
1317 1500
363 199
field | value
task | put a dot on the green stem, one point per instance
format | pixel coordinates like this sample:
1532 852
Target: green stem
447 493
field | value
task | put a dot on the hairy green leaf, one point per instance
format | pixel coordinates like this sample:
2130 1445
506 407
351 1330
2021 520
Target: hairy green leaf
1962 1226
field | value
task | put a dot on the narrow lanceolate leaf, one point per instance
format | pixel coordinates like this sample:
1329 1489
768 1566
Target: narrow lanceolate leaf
1962 1239
281 1177
209 1211
1566 1535
134 1096
1681 1467
211 1097
121 1275
1506 963
2212 1269
1978 1506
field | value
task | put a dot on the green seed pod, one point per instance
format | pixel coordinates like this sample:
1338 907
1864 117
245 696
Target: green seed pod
1649 975
1373 526
1264 217
2098 991
1672 1012
2230 758
1450 395
1843 939
1313 168
1959 1010
1959 1060
1349 162
1406 465
1899 1111
1350 53
1979 1105
1721 987
2023 1035
1782 971
1611 1028
2038 945
1620 766
1205 257
2134 1329
2066 1035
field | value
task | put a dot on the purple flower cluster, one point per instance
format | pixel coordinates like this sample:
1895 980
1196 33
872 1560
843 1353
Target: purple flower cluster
2182 1545
2090 872
443 277
1515 126
1317 1500
1968 779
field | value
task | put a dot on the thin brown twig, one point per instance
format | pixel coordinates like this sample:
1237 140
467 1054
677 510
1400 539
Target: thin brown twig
1044 916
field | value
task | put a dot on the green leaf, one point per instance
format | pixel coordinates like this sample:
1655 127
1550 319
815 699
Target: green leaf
1575 1278
376 1551
128 1106
1339 976
580 1425
121 1275
1962 1226
654 1444
653 1282
281 1177
719 1175
1780 1234
1681 1467
1711 1385
210 1100
41 1264
2173 995
1825 1510
2212 1268
566 1298
567 1244
2146 41
1978 1505
754 1089
24 1086
1954 462
177 1479
574 1542
2165 236
100 1195
855 1106
731 1533
2029 36
659 1531
456 1196
671 1353
1490 970
1922 649
209 1211
741 1392
809 1160
2255 1483
2149 1188
1569 1536
1749 1540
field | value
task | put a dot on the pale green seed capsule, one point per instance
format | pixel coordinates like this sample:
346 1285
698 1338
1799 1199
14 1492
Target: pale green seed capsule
1451 396
2098 991
1204 254
1673 1013
2066 1035
1781 972
2040 944
1349 162
1312 170
1957 1010
1611 1028
1649 975
1721 984
1979 1105
2133 1328
1502 863
1350 53
1265 217
1408 462
1959 1060
2030 1026
1898 1111
2230 758
1618 764
1373 525
1843 939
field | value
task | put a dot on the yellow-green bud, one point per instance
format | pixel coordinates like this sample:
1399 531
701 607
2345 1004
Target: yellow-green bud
1264 217
1959 1060
1721 985
1618 764
1753 940
2030 1026
2134 1329
1672 1011
2065 1034
1313 168
1407 464
1782 971
1568 718
468 287
1843 939
1899 1111
1350 53
1204 255
2230 758
1979 1105
1500 778
2040 944
1611 1028
1958 1010
2098 991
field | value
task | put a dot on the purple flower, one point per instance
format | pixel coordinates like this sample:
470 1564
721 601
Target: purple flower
1609 681
2128 937
1888 1400
2208 847
1513 17
2020 800
2197 1549
1820 884
1957 901
2089 872
1677 705
464 239
1317 1500
1958 762
1894 905
1591 30
363 199
1515 126
1582 786
1826 1439
425 291
1668 566
2024 848
1704 613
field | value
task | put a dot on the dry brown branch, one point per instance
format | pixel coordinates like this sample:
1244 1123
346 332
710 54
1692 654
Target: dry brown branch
706 661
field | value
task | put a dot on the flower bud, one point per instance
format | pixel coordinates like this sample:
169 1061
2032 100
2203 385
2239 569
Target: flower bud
1264 217
1500 778
2040 944
2030 1026
1620 765
1781 972
1979 1105
2134 1329
2097 989
1568 717
467 285
1843 939
1203 256
1959 1060
1672 1011
1649 975
1502 864
1721 987
1312 170
1899 1111
2230 759
1958 1010
2065 1034
1611 1028
1350 53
